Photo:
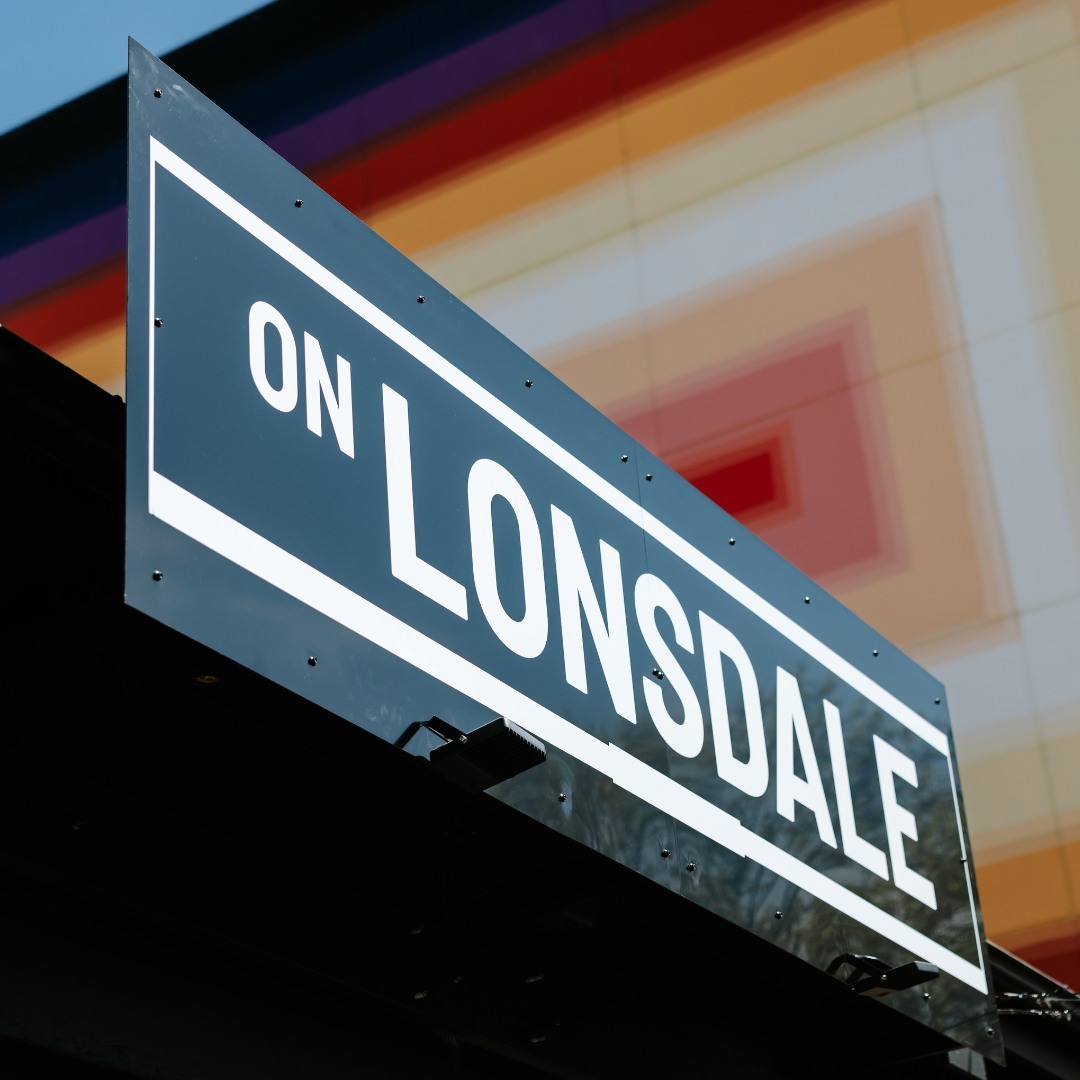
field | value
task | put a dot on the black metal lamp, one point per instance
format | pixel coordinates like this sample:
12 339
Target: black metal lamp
875 978
494 752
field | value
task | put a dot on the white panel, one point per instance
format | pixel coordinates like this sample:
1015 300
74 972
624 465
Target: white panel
970 163
1018 425
1052 638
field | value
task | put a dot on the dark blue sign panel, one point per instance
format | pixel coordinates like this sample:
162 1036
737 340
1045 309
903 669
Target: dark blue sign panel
344 479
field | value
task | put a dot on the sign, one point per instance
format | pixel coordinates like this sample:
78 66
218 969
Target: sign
343 478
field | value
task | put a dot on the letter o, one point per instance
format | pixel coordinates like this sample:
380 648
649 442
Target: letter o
526 636
260 317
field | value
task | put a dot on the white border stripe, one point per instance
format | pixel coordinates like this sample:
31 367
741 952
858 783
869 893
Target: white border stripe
234 541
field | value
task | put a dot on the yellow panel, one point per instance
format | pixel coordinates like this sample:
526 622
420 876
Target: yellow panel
667 117
1071 854
922 18
495 189
778 72
98 356
756 144
1024 892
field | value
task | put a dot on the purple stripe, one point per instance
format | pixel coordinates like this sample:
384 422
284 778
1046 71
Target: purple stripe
349 124
432 86
63 254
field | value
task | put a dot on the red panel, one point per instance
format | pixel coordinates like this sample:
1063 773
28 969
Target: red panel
747 483
64 312
1060 959
569 90
782 444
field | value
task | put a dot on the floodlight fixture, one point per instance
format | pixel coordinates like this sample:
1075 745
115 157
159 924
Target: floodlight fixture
482 758
874 978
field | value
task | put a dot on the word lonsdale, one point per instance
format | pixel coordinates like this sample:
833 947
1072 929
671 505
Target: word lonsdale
704 640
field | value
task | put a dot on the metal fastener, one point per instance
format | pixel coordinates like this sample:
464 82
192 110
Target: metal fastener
875 652
528 382
158 321
648 476
806 599
157 575
562 796
657 672
157 93
421 299
312 661
691 866
665 853
732 541
625 457
298 203
418 995
778 914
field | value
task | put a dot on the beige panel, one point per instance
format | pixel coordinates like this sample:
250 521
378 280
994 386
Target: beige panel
1063 769
945 588
1007 799
907 324
988 47
752 146
1049 95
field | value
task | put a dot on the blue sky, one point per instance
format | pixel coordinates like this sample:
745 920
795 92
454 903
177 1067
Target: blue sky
54 50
